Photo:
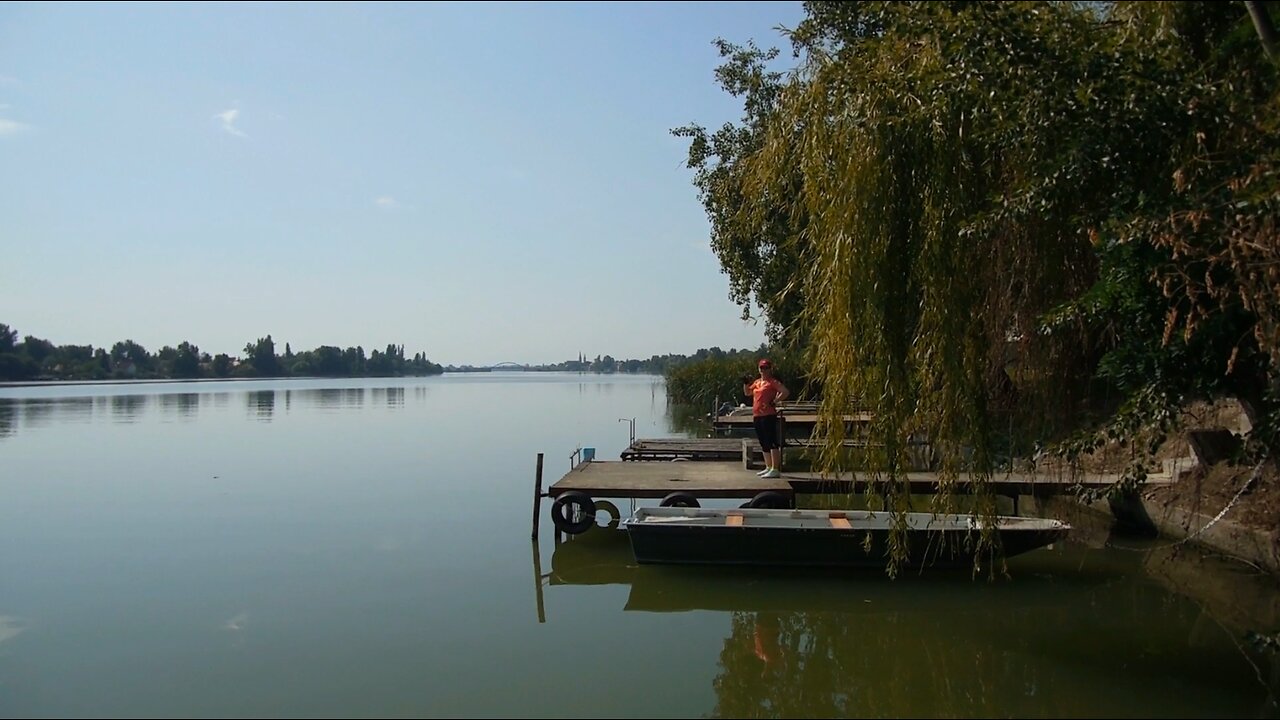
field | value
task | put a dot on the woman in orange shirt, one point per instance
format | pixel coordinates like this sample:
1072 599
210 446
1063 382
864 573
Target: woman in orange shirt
766 392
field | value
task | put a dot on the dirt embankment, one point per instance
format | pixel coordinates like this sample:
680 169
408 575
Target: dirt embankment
1232 508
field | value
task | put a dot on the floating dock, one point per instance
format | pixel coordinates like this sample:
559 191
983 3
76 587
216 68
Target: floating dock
804 419
620 479
745 450
683 483
623 479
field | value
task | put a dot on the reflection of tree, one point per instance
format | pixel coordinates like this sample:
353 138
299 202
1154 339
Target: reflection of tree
1072 632
262 403
392 396
1069 660
689 420
831 664
334 397
186 404
127 408
8 418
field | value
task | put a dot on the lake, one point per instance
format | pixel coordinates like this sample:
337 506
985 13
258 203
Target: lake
355 548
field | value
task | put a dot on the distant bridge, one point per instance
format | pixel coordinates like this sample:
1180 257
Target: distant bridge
489 368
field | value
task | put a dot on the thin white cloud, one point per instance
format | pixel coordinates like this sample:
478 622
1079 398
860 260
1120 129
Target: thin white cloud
386 201
8 80
11 127
228 119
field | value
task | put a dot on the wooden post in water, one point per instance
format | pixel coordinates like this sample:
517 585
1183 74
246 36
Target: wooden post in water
537 497
537 582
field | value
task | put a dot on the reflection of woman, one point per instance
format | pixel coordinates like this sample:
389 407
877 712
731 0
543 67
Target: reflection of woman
766 641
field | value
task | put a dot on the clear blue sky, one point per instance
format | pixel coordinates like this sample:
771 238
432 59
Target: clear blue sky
478 182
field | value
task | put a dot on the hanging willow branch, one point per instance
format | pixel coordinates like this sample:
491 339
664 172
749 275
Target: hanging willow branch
1007 226
935 241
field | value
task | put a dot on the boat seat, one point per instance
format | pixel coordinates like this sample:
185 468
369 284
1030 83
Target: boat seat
839 520
733 519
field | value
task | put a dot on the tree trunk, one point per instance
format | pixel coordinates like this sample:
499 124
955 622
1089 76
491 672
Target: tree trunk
1266 30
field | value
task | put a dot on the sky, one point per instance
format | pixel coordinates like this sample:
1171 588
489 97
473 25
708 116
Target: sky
481 183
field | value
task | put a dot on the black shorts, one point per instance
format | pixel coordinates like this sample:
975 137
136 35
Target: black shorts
767 431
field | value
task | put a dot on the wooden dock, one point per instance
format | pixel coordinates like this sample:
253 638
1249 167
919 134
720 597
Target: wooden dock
683 483
745 450
687 449
805 419
622 479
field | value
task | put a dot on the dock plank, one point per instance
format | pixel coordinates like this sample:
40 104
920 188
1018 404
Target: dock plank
729 480
792 418
621 479
710 449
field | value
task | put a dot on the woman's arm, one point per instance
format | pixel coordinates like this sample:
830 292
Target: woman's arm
783 392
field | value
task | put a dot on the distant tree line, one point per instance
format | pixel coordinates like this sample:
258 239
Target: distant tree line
37 359
655 365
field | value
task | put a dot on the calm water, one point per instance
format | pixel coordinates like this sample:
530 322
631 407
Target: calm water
361 548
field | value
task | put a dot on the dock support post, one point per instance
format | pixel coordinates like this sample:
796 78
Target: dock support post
782 441
537 583
537 497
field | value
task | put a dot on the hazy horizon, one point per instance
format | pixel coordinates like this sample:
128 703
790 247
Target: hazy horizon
479 183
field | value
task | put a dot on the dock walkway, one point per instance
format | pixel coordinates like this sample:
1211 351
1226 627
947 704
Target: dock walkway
623 479
710 448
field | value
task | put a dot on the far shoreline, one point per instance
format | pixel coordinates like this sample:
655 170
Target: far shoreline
161 381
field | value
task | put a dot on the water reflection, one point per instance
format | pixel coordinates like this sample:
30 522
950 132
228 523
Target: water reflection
185 405
128 408
8 418
1058 638
395 397
333 398
262 404
689 420
392 397
17 414
38 413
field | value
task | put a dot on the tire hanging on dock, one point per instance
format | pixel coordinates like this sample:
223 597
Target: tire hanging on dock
680 499
573 512
614 515
770 499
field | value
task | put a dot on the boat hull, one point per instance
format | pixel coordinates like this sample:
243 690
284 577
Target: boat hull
765 537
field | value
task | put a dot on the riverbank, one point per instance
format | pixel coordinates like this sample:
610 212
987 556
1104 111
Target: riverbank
1229 509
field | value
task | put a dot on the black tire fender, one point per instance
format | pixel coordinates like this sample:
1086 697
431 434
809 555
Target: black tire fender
770 499
680 499
614 515
573 512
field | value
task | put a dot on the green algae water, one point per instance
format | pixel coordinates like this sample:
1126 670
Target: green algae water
357 548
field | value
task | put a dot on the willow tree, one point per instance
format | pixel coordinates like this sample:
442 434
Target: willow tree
975 201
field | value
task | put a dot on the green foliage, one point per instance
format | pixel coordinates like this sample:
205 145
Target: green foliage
35 358
186 364
261 356
702 381
221 365
1014 210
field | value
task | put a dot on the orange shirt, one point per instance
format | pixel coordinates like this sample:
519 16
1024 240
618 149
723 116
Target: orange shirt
763 394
